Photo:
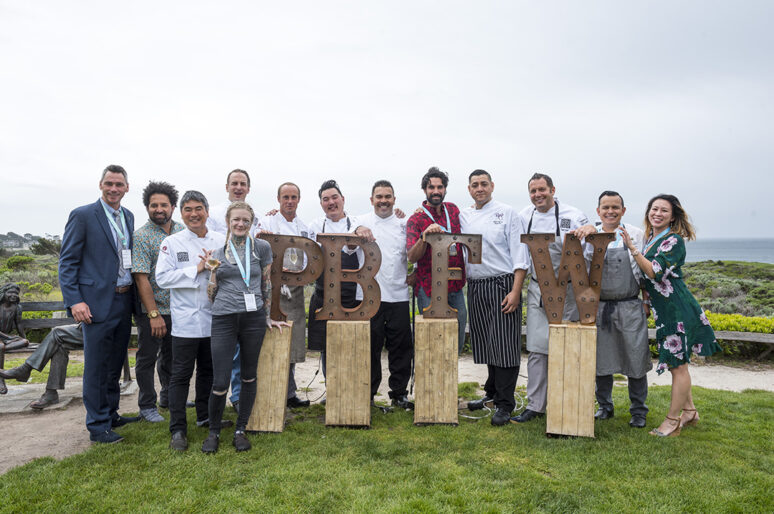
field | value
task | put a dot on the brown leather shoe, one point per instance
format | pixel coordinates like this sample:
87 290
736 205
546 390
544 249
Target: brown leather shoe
50 397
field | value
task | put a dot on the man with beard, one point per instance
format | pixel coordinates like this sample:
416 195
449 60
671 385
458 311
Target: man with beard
285 221
435 216
154 323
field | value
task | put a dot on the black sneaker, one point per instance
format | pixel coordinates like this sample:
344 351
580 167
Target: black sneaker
241 443
210 445
295 402
486 401
179 441
402 402
501 417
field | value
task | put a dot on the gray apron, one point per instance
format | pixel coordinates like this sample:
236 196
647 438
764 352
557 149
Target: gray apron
537 322
622 328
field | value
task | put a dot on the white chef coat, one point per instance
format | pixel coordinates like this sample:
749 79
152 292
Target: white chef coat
216 220
277 224
502 251
338 227
390 236
638 238
570 218
176 270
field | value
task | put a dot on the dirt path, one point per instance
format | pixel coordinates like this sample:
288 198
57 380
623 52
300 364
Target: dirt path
59 431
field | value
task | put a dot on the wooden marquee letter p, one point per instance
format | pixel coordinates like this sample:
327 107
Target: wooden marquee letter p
280 277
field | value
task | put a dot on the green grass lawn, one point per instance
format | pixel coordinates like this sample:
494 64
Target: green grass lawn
724 464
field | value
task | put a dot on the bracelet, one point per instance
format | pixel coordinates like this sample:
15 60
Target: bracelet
646 302
635 253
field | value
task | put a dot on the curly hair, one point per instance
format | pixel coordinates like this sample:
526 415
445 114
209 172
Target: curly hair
159 188
434 173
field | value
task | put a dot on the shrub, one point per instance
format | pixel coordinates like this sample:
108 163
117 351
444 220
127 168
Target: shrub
19 262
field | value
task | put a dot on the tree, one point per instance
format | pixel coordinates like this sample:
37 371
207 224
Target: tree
45 246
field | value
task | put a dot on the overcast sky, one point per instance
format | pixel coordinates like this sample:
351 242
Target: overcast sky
643 98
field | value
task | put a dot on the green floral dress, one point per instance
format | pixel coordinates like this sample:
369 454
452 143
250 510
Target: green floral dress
682 327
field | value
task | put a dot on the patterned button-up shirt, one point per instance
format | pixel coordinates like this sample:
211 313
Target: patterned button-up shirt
416 224
147 240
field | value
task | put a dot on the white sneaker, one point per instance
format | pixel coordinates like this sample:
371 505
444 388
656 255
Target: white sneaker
151 415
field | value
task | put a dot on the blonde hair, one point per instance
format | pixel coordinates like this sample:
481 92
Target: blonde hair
233 206
680 223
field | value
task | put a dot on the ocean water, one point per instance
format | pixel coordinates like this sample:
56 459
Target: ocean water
750 250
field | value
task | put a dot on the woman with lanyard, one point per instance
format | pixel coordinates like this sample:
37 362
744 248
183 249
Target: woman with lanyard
240 291
681 326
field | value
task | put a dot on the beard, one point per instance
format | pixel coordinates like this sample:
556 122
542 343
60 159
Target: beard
435 199
158 220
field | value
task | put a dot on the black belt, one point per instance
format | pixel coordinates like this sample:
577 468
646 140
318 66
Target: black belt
609 309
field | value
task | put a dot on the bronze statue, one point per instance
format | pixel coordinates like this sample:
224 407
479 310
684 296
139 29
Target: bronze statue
10 319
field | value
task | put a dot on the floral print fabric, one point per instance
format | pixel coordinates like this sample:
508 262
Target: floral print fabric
682 328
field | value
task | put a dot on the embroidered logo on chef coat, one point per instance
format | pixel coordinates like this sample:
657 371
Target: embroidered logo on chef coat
182 256
564 223
498 218
164 249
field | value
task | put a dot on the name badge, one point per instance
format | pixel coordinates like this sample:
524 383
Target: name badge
250 304
453 250
126 258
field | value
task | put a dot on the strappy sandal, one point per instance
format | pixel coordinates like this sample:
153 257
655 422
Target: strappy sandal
691 422
673 433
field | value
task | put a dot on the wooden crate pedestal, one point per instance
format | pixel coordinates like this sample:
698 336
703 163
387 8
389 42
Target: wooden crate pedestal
272 388
435 371
572 366
348 374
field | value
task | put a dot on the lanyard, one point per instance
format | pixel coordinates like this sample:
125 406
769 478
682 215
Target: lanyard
653 240
556 215
446 229
244 270
121 233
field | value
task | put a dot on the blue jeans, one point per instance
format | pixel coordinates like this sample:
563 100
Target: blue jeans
457 301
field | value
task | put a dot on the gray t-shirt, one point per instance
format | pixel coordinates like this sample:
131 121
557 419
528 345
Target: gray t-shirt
230 298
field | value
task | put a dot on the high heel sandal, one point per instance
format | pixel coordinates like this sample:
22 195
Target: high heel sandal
693 421
673 433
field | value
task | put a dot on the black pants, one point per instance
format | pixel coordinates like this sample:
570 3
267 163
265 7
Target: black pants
246 329
500 385
391 328
153 354
187 352
638 393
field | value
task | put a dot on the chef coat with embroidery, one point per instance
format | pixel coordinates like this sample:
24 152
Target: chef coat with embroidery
176 270
501 228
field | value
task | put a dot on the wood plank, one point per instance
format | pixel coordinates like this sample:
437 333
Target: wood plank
42 306
272 389
348 380
46 322
571 379
554 403
587 380
435 371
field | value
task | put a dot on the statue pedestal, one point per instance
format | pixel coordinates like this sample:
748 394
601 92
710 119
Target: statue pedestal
435 371
572 365
272 388
348 374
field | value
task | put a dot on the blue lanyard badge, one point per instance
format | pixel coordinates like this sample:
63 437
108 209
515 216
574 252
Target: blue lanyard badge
122 234
244 270
447 228
653 240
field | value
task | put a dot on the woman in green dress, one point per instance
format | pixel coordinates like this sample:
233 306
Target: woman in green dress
682 327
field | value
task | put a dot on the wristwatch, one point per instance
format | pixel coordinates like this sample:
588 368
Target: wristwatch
153 314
